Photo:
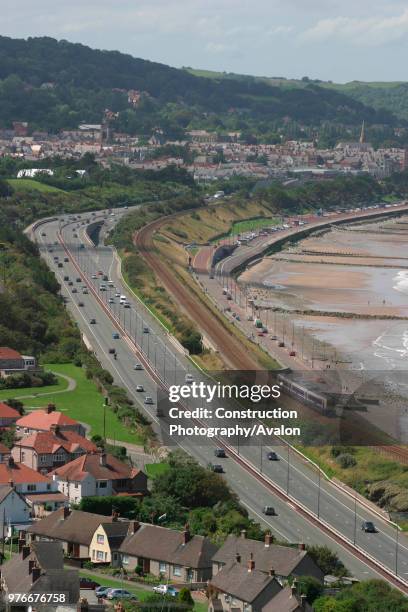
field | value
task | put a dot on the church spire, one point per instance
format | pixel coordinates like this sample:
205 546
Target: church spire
362 134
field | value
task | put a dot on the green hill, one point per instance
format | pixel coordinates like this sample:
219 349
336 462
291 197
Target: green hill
56 84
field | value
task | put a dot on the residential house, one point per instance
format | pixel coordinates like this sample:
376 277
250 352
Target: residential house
47 450
242 588
39 568
166 553
40 492
45 420
73 528
8 416
99 474
14 509
284 560
5 453
12 362
107 538
288 600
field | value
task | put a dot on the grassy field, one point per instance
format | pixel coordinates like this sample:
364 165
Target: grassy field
35 391
251 225
156 469
25 184
84 404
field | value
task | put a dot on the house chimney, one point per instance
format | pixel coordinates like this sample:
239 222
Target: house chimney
55 429
303 601
102 458
31 564
293 588
268 540
243 533
133 527
115 516
25 551
272 572
251 563
11 462
50 408
238 558
186 534
36 573
302 546
66 512
21 541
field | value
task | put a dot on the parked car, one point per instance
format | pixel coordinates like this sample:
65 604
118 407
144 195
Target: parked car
74 290
220 453
145 330
94 276
111 301
102 591
119 594
272 456
66 278
269 511
166 589
87 583
368 527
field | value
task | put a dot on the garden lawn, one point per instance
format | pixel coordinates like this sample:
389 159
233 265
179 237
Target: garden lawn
156 469
84 403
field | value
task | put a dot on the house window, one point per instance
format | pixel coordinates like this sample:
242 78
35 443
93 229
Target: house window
100 539
31 487
100 555
125 559
121 484
48 487
177 570
162 567
43 458
102 484
59 457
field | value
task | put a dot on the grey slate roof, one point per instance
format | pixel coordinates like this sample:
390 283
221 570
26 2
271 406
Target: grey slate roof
283 559
236 580
163 544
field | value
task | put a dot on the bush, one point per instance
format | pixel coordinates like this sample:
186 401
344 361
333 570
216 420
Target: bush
346 461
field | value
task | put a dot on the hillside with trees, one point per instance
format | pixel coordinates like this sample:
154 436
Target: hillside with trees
56 84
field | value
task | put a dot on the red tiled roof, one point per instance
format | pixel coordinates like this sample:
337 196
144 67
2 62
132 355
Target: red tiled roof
8 353
41 419
91 464
50 442
7 412
19 473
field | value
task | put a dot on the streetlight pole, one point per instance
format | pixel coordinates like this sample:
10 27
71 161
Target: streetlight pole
355 520
288 474
318 494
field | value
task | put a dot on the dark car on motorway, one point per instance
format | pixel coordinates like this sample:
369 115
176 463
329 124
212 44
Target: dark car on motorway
269 511
112 351
81 304
92 321
87 583
218 469
220 453
272 456
368 527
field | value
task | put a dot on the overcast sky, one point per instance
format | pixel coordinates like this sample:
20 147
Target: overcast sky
339 40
